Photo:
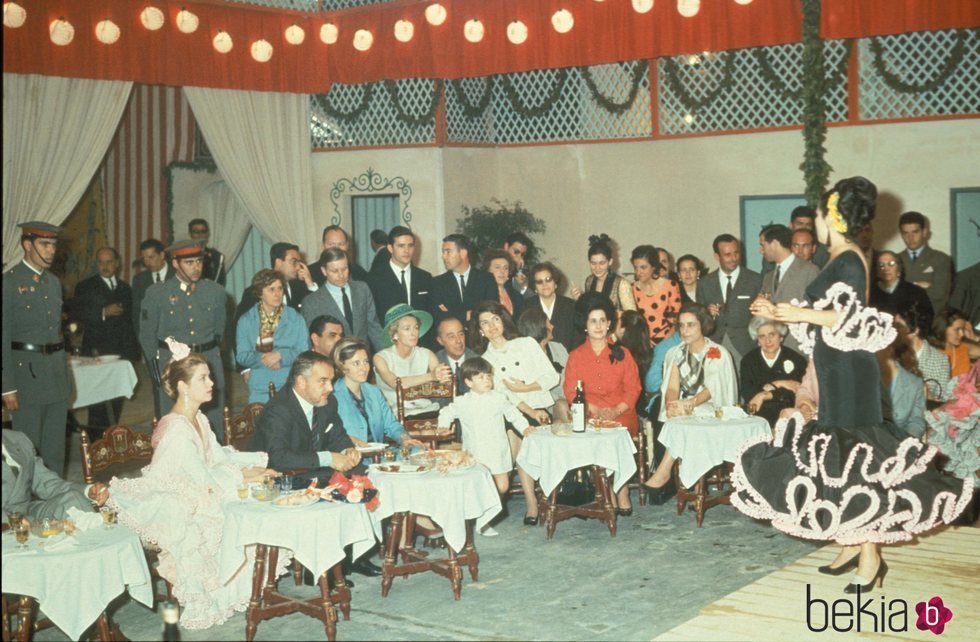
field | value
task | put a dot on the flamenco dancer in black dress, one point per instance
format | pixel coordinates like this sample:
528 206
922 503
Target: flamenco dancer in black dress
846 476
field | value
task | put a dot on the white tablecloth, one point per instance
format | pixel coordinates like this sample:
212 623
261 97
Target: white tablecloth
97 381
547 457
448 499
73 584
703 443
316 534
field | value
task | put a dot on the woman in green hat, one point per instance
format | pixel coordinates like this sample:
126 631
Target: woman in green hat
405 359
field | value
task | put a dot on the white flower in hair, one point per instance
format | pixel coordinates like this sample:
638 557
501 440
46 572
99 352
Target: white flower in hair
788 366
178 350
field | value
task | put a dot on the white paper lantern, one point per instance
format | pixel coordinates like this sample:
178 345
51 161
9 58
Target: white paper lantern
743 1
329 33
14 15
261 50
152 18
473 30
61 32
187 22
363 39
689 118
222 42
435 14
404 30
295 35
688 8
107 32
562 21
642 6
517 32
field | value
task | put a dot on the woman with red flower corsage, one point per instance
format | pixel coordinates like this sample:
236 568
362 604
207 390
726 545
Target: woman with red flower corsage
608 373
699 373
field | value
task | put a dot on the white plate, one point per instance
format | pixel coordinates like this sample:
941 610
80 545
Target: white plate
108 358
403 469
371 448
303 500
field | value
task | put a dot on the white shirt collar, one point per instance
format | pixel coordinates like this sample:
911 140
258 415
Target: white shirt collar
108 280
723 278
785 263
33 269
162 272
548 309
307 408
774 359
397 269
465 275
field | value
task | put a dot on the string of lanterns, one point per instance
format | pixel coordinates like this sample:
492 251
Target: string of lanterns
62 32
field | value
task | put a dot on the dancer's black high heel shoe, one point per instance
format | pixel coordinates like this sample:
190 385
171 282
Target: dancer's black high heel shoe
660 496
849 565
878 580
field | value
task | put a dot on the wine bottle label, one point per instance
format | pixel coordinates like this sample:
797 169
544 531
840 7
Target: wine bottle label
578 417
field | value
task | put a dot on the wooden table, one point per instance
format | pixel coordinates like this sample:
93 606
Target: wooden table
457 501
601 508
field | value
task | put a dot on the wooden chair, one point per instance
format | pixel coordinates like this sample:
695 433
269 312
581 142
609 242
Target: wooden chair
423 428
240 428
122 452
718 479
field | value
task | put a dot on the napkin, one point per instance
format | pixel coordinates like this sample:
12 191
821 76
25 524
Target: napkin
84 520
59 542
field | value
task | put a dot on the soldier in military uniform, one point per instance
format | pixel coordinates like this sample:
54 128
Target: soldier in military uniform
35 385
191 310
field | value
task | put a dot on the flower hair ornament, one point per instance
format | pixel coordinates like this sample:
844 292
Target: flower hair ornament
178 350
835 217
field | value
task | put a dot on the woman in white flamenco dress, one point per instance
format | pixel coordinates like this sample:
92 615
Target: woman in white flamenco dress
846 476
176 502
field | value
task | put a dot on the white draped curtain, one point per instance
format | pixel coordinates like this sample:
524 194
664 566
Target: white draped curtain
260 142
56 131
227 220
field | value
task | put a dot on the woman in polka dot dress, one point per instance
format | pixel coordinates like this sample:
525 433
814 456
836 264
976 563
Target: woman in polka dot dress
655 293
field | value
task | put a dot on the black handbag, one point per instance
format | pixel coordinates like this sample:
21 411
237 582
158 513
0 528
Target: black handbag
577 487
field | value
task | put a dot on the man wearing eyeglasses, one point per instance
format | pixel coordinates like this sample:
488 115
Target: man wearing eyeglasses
930 269
518 244
891 293
559 309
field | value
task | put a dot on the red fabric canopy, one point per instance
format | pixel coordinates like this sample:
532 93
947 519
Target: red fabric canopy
603 32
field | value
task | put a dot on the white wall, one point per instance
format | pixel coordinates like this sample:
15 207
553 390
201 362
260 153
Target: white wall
678 193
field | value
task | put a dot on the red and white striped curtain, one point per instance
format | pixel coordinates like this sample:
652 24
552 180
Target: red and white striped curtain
156 129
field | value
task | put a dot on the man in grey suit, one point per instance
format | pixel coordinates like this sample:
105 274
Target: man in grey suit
31 489
728 292
344 299
452 337
929 269
790 276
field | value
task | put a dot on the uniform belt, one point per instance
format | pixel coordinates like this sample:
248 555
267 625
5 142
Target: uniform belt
43 348
195 347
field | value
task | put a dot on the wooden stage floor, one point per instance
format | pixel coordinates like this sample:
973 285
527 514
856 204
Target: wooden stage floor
945 564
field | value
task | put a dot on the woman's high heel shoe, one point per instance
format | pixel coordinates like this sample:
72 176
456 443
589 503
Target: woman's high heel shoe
878 580
659 496
530 521
849 565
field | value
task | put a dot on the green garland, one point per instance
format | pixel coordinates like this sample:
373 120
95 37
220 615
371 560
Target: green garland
544 107
470 110
770 76
816 170
414 121
351 116
639 71
692 104
896 83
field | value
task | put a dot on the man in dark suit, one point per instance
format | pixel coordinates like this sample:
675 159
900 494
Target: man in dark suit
102 303
335 236
452 337
398 280
461 287
214 261
790 276
728 292
929 269
157 270
285 258
519 245
559 309
379 244
344 299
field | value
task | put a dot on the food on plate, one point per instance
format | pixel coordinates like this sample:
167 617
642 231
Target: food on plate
604 423
444 460
296 499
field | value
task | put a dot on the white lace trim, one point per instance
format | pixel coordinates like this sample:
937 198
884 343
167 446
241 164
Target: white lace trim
858 327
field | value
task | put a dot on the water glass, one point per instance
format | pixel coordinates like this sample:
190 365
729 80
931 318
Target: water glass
22 531
108 517
13 519
286 483
242 492
389 454
405 452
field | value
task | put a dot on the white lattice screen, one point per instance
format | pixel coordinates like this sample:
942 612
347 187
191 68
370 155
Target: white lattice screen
729 91
916 60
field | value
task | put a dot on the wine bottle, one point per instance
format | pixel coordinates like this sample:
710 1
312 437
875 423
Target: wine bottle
578 408
170 613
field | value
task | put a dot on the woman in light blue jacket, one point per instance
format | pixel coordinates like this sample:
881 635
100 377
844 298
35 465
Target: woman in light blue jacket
362 406
269 336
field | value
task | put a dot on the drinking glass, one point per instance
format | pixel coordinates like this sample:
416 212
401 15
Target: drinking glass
242 492
22 531
389 454
405 452
13 519
108 517
286 483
